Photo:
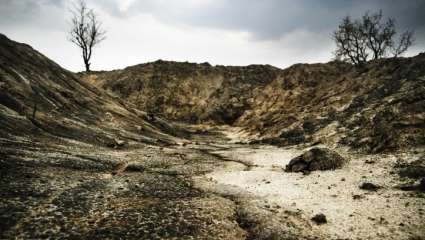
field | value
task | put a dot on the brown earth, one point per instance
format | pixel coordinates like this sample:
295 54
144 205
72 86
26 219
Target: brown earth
380 107
185 91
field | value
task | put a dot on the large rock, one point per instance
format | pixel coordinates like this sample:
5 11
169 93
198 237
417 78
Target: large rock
316 159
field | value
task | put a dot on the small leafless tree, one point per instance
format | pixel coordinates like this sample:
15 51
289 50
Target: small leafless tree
406 40
86 30
369 38
351 43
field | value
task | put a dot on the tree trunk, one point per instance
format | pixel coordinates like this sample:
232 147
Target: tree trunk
87 64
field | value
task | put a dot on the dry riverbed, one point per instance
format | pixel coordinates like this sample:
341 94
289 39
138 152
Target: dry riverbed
207 188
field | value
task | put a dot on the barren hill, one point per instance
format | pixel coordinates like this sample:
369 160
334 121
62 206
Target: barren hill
41 99
375 108
186 91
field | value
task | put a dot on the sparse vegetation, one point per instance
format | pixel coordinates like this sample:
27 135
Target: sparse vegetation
369 38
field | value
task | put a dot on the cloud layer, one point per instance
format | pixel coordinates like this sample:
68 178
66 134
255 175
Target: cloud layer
236 32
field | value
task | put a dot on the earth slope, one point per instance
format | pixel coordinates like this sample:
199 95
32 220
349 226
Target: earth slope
186 91
376 108
40 99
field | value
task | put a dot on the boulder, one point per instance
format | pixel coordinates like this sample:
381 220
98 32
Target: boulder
316 159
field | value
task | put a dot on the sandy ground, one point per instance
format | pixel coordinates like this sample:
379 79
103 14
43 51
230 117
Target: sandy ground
352 213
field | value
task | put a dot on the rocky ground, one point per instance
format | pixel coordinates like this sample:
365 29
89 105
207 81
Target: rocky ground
210 188
68 189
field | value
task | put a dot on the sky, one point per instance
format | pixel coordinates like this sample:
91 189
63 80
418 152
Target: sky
225 32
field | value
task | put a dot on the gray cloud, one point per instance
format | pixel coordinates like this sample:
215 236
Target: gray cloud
237 32
270 19
33 13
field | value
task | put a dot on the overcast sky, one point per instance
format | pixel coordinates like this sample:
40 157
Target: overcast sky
228 32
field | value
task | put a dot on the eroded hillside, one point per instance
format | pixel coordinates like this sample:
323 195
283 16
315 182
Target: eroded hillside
41 99
375 108
186 91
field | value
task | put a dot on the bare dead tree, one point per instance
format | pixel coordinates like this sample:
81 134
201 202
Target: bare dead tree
351 42
406 40
86 31
379 34
369 38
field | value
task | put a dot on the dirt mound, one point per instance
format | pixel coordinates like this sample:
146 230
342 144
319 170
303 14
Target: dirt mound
187 91
376 108
316 159
379 107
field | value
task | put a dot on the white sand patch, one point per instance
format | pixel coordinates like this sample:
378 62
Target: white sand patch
386 214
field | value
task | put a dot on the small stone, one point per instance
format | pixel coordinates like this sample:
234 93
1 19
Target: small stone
357 197
319 219
369 186
342 179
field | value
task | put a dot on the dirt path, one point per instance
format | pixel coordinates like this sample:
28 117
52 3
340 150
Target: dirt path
352 213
